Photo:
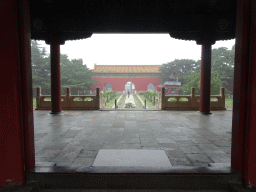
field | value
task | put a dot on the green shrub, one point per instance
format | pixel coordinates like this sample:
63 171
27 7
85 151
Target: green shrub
129 105
150 93
108 93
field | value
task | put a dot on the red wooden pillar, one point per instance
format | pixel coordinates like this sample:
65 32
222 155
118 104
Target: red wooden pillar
205 83
55 74
26 86
16 109
243 151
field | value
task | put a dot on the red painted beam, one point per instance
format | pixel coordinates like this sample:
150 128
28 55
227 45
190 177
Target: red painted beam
55 74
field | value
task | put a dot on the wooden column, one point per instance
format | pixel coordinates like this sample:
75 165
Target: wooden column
205 83
55 74
16 109
26 85
243 151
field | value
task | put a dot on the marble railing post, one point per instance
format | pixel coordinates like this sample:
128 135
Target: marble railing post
68 103
101 104
222 93
193 97
160 100
157 104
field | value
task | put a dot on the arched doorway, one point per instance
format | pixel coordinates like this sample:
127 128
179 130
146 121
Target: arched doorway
129 86
151 87
107 87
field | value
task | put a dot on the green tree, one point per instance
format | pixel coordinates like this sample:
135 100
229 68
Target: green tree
41 74
222 66
216 83
223 61
177 68
192 79
74 74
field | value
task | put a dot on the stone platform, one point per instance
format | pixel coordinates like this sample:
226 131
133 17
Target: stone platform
187 138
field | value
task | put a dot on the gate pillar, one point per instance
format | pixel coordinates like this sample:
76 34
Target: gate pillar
205 83
55 75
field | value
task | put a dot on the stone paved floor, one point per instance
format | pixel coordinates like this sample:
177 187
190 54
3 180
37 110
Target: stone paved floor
188 138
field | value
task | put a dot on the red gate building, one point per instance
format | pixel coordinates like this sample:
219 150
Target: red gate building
118 75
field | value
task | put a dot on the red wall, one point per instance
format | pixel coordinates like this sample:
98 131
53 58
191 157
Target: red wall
118 84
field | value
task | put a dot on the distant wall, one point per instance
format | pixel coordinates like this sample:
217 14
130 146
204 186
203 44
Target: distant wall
142 84
118 84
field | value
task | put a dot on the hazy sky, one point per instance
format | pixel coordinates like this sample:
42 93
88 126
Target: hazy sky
132 49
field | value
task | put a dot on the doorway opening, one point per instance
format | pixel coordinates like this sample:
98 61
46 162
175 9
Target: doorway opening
184 138
109 97
151 87
107 87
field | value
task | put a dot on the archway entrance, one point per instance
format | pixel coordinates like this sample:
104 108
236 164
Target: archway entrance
151 87
107 87
129 86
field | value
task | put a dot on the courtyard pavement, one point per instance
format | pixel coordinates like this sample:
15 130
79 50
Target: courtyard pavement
188 138
130 99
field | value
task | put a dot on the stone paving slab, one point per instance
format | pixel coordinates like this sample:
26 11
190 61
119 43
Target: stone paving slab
113 157
74 138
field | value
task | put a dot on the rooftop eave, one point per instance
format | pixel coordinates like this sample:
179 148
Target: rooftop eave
182 19
126 72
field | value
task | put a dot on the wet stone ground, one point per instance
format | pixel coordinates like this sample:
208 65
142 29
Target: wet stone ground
74 138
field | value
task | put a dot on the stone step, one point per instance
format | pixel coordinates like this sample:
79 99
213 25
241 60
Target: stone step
33 189
219 164
113 177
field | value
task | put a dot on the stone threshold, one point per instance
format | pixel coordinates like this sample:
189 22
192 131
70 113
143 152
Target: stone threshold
214 178
176 170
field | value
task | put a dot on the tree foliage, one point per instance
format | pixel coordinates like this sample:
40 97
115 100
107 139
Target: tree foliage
188 71
74 73
223 61
178 68
150 93
192 79
40 66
